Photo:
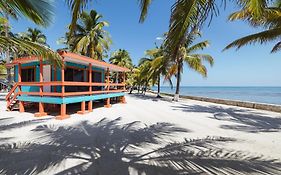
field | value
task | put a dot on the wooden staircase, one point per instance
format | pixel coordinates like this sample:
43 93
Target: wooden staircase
11 98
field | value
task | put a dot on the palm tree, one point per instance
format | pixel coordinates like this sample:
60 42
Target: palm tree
34 35
145 74
122 58
189 14
134 79
40 12
89 38
159 66
194 61
270 20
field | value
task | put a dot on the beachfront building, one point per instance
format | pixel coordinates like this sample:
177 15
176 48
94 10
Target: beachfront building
80 79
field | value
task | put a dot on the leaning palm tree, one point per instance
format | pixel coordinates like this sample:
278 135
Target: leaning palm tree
159 67
90 38
187 54
122 58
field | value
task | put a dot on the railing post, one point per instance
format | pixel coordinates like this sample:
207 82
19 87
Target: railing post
40 104
90 103
21 103
62 79
107 105
123 99
55 77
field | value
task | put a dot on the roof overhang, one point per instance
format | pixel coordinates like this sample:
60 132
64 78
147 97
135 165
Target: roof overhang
74 58
79 59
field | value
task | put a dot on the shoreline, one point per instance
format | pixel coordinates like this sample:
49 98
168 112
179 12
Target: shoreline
246 104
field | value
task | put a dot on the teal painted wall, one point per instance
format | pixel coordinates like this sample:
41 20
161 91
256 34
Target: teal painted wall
37 77
16 73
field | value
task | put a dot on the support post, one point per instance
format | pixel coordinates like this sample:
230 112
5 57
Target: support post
83 108
62 79
55 77
90 106
107 105
90 103
21 103
41 112
123 99
63 114
21 106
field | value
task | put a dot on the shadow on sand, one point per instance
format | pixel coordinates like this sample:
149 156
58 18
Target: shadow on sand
246 120
150 97
109 147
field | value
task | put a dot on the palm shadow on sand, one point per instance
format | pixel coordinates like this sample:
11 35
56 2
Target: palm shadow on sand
108 147
245 120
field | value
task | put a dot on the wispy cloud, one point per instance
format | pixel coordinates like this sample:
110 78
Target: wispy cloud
159 38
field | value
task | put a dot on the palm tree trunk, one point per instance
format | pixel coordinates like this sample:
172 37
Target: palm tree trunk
131 89
177 94
7 52
158 89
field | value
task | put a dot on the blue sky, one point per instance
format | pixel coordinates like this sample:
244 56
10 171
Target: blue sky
250 66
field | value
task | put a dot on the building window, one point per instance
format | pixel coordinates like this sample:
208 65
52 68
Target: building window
28 75
96 77
74 75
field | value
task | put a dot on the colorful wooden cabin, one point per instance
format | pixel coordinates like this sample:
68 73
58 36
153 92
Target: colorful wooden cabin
80 80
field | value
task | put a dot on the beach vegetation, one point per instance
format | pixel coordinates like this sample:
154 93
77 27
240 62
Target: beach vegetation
187 53
90 38
122 58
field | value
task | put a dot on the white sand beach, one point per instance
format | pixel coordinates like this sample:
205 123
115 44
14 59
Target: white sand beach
114 140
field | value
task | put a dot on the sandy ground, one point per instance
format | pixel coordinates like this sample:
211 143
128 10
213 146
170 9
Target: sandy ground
145 136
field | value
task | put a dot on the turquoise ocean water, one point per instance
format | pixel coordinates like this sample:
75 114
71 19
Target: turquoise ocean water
271 95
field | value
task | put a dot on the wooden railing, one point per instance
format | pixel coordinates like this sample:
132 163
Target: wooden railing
10 98
68 83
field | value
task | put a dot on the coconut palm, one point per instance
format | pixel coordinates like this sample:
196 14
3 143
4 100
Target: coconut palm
122 58
34 35
159 67
89 38
187 54
189 14
145 79
134 79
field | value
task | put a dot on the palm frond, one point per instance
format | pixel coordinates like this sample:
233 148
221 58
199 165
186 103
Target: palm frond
77 7
195 63
144 5
261 37
205 57
143 60
187 14
276 47
30 48
199 46
39 11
